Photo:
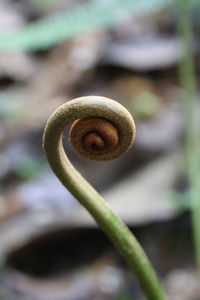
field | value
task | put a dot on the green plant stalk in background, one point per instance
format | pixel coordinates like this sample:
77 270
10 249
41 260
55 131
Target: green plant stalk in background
192 143
116 114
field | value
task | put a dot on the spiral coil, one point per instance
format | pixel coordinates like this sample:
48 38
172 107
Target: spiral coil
102 129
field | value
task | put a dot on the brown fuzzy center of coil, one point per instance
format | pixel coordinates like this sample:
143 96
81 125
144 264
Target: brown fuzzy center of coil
94 135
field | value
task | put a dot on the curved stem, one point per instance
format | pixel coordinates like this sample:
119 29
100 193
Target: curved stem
87 195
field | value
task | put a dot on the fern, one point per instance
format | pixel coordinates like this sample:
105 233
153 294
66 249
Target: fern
92 15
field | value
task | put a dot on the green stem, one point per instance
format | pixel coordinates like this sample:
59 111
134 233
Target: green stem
86 194
188 83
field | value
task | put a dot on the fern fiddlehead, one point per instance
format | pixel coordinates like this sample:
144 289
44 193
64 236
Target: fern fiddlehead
102 130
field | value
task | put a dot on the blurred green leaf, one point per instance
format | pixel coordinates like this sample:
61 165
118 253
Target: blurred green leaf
89 16
145 105
181 200
28 167
124 296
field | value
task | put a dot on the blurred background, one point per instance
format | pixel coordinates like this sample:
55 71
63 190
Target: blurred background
52 51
